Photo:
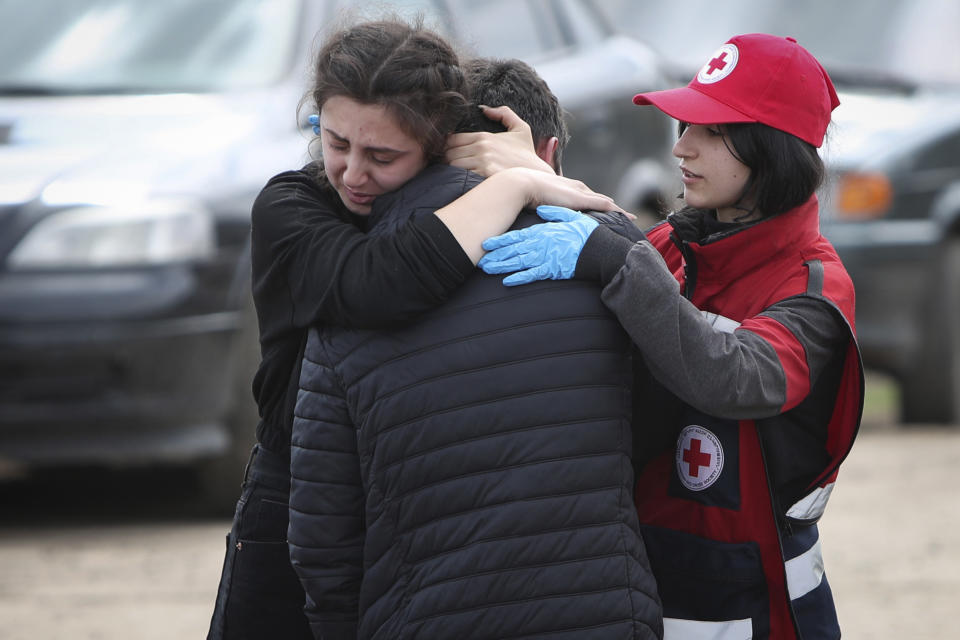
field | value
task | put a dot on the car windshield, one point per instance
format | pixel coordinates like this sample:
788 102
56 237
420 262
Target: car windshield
479 26
120 46
859 41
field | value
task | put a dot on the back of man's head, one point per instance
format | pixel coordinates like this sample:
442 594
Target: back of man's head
511 82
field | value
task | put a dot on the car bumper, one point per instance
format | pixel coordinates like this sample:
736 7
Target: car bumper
113 368
893 266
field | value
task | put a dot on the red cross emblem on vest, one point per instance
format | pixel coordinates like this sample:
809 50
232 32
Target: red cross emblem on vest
699 457
695 458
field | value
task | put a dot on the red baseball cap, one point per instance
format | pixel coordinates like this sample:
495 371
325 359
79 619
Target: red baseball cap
755 78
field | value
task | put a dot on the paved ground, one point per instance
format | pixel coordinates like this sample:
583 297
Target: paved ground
136 564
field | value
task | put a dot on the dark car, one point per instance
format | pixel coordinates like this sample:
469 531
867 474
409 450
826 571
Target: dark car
891 204
134 136
893 213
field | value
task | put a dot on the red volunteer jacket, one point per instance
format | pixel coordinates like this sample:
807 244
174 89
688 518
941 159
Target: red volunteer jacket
729 504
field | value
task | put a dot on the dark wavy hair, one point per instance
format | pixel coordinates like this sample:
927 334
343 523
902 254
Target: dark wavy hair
784 170
406 68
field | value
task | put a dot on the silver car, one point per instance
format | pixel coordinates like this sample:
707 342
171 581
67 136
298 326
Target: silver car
134 136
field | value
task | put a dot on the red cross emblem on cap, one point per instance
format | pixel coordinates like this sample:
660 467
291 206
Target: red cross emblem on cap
720 65
699 457
717 63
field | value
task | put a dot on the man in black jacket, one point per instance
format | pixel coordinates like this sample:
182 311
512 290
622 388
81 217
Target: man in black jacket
469 476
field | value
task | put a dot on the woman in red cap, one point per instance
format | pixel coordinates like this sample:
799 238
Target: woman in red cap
751 386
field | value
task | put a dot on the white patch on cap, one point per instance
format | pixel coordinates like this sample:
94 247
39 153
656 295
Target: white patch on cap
720 65
699 458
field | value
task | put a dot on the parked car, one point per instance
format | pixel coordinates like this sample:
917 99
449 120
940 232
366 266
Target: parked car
891 205
134 136
893 212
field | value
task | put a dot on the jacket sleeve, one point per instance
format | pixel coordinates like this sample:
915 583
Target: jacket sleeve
619 224
335 273
762 367
326 531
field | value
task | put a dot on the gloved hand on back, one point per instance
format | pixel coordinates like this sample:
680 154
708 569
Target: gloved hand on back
542 252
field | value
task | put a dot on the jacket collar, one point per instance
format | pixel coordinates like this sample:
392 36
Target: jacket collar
739 248
434 187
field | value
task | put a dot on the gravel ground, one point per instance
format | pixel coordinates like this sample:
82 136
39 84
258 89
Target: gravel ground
890 536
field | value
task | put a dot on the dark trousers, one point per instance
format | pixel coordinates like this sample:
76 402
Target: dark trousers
260 595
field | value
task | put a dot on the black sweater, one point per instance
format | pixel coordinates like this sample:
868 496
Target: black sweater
313 264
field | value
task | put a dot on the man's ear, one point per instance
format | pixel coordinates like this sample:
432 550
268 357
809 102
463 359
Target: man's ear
546 150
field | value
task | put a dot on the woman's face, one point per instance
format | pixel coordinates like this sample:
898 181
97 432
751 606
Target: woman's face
365 152
713 178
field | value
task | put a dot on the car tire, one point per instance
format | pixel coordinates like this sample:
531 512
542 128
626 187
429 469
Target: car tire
220 479
930 390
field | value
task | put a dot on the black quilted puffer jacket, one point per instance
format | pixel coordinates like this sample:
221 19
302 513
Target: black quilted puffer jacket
469 476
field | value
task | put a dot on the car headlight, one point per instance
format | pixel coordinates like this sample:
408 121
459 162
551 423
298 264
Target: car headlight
149 232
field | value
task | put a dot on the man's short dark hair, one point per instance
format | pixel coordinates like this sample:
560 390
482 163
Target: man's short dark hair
495 82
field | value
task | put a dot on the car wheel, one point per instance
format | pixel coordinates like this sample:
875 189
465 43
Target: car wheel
220 479
930 391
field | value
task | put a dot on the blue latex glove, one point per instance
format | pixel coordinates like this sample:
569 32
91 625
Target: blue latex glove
314 119
541 252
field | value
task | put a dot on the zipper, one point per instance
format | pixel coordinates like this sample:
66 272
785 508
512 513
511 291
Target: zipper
689 266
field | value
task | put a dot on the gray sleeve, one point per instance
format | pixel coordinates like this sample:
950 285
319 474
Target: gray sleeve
709 361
